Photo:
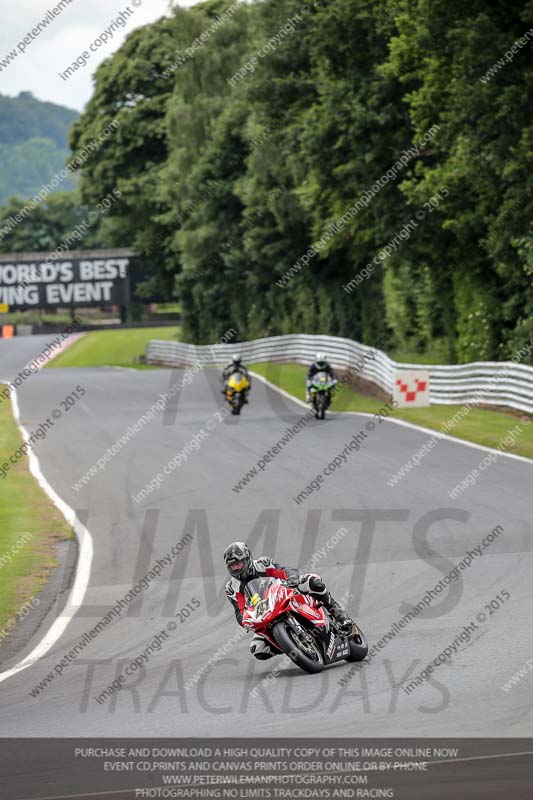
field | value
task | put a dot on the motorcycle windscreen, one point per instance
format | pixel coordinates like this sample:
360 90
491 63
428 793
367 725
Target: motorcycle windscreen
237 381
258 588
259 595
321 380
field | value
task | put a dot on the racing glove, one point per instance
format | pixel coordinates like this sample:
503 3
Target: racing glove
311 582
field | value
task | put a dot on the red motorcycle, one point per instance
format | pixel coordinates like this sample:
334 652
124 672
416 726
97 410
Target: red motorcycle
299 626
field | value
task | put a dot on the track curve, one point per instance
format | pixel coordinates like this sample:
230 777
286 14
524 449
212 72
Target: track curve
397 543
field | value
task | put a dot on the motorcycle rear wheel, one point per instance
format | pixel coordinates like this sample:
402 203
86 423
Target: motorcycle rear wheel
286 638
358 646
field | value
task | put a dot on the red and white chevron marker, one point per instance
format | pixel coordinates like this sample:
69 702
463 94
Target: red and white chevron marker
411 388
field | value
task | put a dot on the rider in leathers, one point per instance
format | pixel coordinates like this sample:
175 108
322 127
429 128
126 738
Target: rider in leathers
321 364
236 366
243 568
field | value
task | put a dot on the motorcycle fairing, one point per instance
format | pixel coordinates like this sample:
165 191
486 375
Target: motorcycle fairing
237 382
308 608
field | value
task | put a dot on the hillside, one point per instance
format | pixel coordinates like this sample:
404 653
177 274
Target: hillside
33 144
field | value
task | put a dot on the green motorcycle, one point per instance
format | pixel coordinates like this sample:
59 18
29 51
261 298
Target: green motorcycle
321 391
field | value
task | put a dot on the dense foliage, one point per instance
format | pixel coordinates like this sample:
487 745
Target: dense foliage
234 162
58 221
33 144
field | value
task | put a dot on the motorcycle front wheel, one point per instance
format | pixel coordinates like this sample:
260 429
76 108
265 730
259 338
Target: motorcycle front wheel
300 648
321 407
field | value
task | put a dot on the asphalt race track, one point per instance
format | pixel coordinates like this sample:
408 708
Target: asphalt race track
386 546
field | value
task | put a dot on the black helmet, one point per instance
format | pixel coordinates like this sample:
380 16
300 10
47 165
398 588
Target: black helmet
239 560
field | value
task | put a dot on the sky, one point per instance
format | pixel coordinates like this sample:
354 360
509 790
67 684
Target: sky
38 63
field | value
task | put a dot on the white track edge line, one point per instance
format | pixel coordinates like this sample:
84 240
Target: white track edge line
434 433
83 566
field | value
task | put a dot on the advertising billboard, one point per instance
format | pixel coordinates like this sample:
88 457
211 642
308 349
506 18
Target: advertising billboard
91 278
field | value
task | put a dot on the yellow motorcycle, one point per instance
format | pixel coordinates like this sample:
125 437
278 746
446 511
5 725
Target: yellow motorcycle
236 391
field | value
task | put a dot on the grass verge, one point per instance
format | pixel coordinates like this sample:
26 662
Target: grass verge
30 526
111 348
481 426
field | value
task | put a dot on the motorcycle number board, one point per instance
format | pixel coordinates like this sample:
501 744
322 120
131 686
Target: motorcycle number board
411 388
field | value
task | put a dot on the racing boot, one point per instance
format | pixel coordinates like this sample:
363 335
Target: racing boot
317 588
345 624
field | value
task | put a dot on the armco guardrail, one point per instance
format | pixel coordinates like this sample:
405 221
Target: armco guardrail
504 383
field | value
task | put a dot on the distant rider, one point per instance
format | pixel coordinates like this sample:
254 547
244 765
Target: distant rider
243 568
236 366
321 364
